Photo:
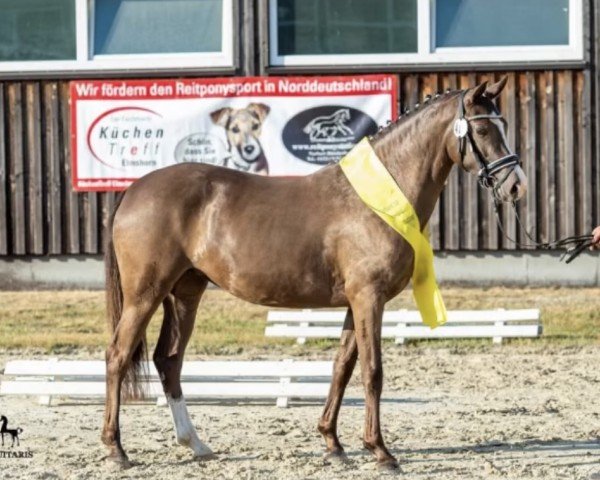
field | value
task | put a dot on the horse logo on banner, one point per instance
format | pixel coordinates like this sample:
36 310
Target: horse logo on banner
330 128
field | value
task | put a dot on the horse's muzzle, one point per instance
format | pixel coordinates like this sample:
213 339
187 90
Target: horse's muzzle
514 187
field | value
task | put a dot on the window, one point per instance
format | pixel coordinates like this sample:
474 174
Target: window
74 35
147 27
325 32
37 30
315 27
492 23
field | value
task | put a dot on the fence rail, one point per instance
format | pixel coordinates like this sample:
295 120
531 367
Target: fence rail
281 380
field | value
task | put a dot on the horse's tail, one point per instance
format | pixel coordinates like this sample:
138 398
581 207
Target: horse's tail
132 387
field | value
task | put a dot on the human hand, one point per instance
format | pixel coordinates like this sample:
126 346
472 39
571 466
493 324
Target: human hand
596 239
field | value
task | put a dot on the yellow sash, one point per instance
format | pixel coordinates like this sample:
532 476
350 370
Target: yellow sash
380 192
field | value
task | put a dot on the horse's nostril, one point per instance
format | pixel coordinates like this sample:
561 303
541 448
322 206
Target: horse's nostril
518 190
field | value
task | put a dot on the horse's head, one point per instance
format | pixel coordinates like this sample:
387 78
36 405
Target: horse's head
478 143
344 115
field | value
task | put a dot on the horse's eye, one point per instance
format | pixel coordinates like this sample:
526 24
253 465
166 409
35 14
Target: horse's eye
255 126
235 129
482 131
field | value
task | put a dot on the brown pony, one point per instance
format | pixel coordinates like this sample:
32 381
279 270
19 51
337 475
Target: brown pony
300 242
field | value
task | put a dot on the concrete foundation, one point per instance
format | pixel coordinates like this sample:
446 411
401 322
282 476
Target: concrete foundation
463 268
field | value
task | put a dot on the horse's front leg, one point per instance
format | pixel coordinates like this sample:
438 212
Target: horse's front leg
367 307
345 361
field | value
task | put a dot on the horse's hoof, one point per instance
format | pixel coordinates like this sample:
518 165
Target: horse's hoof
336 456
205 456
120 461
389 465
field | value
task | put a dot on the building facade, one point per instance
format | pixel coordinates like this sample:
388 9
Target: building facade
547 48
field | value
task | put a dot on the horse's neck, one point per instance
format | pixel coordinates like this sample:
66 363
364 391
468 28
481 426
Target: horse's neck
4 422
415 156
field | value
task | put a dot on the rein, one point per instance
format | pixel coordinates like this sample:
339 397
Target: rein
575 245
578 242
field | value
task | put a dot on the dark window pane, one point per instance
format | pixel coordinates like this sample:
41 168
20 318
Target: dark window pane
37 30
153 26
484 23
316 27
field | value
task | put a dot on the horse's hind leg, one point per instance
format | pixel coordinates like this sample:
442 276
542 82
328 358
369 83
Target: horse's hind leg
345 361
137 311
180 313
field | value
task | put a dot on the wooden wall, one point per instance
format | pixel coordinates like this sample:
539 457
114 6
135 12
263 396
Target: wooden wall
550 126
549 113
39 212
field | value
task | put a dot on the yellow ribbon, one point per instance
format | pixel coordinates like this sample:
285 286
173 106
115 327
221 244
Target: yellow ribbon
380 192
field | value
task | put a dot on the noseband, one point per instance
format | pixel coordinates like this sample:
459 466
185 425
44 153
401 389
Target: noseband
486 173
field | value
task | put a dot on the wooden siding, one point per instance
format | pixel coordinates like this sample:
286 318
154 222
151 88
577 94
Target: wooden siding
550 126
550 118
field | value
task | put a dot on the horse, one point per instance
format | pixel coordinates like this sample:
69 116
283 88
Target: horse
328 127
299 242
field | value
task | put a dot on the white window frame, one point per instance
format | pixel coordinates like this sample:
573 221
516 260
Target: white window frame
427 53
87 61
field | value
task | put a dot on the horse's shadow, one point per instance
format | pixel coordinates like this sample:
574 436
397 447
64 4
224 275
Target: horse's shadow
532 445
563 448
450 453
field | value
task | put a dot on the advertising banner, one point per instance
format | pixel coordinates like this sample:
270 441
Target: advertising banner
124 129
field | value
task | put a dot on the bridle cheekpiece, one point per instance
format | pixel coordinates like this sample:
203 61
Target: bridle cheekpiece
486 173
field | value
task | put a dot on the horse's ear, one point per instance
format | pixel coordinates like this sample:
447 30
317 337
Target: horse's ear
221 117
475 93
260 109
494 90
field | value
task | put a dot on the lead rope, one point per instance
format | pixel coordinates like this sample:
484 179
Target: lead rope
579 242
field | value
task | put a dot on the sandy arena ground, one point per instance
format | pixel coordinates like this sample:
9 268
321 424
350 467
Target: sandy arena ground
497 412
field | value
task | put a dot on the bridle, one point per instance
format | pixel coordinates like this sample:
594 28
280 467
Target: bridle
462 131
486 178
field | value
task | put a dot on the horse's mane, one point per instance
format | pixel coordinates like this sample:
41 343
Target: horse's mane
418 109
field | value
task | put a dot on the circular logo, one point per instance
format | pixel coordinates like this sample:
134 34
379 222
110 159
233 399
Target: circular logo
324 134
461 127
201 148
127 137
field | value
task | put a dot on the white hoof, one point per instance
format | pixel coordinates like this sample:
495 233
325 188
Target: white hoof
185 432
201 450
205 455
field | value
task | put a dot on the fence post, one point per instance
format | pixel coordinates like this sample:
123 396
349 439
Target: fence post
499 324
46 400
400 324
284 382
302 340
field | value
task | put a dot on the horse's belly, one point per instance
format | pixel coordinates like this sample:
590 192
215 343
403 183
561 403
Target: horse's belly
274 278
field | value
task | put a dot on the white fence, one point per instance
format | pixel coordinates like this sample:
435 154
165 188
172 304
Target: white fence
403 324
281 380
